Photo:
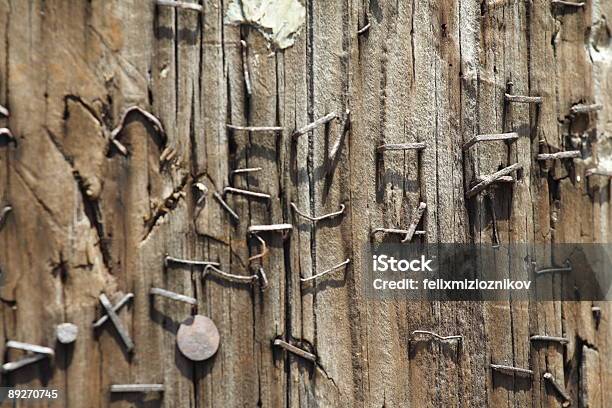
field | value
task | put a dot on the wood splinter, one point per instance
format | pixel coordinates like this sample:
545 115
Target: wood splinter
491 207
245 68
567 400
172 295
598 172
295 350
507 137
511 370
167 155
319 122
491 178
325 272
180 4
569 154
143 388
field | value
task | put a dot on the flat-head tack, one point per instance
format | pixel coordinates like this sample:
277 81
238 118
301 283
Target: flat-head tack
66 333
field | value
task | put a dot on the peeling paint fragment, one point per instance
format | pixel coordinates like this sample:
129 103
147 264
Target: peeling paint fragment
278 20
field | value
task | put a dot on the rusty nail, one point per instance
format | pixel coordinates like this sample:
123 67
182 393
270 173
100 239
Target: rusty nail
507 137
172 295
295 350
125 337
325 272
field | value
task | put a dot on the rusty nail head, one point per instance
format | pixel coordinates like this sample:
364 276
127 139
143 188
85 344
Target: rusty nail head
198 338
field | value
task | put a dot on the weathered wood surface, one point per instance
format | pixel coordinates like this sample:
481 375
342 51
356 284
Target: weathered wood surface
88 220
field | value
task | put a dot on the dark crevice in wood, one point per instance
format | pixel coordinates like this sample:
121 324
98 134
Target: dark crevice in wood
91 209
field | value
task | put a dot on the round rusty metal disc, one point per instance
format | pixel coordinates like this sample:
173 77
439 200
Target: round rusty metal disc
198 338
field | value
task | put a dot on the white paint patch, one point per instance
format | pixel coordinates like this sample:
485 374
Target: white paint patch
599 46
278 20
